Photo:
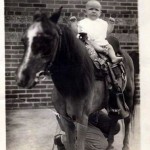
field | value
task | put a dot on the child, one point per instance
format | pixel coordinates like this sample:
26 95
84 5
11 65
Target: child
96 30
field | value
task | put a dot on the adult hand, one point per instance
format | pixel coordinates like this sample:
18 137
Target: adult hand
111 20
74 24
73 19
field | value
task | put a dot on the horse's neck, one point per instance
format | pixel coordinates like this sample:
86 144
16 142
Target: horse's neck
71 52
72 70
69 47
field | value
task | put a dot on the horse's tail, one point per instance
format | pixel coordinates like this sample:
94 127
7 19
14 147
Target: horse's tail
134 109
134 101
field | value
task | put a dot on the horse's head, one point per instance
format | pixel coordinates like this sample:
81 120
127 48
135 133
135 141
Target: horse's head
41 42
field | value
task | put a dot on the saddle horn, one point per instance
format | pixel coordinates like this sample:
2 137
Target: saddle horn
55 16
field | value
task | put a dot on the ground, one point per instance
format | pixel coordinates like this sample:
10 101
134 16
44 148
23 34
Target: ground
34 129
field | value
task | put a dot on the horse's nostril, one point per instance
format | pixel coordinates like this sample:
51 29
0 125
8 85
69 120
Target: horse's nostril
21 83
22 80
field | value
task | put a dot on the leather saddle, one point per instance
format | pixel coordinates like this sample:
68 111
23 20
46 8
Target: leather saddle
115 77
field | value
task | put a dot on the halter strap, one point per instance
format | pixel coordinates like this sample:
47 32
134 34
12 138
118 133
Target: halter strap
55 52
46 71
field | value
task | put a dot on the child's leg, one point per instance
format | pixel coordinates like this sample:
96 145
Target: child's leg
112 55
94 56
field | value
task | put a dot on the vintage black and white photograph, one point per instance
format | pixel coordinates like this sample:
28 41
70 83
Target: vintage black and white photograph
72 77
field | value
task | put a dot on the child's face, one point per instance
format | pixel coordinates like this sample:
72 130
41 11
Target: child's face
93 10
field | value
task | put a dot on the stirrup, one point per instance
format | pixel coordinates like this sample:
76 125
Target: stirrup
124 110
97 64
100 64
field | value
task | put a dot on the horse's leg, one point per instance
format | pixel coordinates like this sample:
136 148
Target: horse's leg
69 128
127 121
127 133
65 124
81 133
75 133
110 139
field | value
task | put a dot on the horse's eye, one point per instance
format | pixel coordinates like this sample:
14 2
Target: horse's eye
44 35
48 37
36 39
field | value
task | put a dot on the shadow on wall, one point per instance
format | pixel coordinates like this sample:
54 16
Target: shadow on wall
135 57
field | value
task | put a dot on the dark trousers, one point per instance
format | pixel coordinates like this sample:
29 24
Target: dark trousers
98 130
101 120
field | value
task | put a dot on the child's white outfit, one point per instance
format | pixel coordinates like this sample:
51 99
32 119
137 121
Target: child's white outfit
97 32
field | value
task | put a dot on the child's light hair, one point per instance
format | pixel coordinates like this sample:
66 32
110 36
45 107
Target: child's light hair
90 1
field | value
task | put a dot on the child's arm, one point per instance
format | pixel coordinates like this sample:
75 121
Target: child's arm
111 24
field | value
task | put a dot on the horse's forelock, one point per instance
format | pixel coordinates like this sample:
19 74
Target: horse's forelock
47 23
40 17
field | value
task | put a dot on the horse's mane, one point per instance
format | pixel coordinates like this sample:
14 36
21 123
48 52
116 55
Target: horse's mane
72 72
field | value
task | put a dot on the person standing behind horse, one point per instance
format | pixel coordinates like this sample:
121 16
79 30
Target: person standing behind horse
97 132
96 30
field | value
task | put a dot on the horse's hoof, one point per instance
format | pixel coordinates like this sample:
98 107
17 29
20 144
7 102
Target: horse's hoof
125 148
110 147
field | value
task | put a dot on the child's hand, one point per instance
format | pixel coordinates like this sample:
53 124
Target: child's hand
105 49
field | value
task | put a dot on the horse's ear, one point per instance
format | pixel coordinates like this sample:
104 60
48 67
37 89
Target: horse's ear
37 15
55 16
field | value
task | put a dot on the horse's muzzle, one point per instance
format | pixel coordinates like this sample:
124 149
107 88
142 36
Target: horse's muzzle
25 81
22 83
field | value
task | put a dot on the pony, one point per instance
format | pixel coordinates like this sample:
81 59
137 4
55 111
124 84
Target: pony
76 93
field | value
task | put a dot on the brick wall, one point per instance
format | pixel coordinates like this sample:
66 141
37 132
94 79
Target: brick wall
18 16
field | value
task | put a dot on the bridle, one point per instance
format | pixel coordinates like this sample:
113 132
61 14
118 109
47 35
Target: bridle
58 48
46 71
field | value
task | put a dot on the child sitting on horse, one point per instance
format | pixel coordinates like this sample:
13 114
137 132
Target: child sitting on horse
96 30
